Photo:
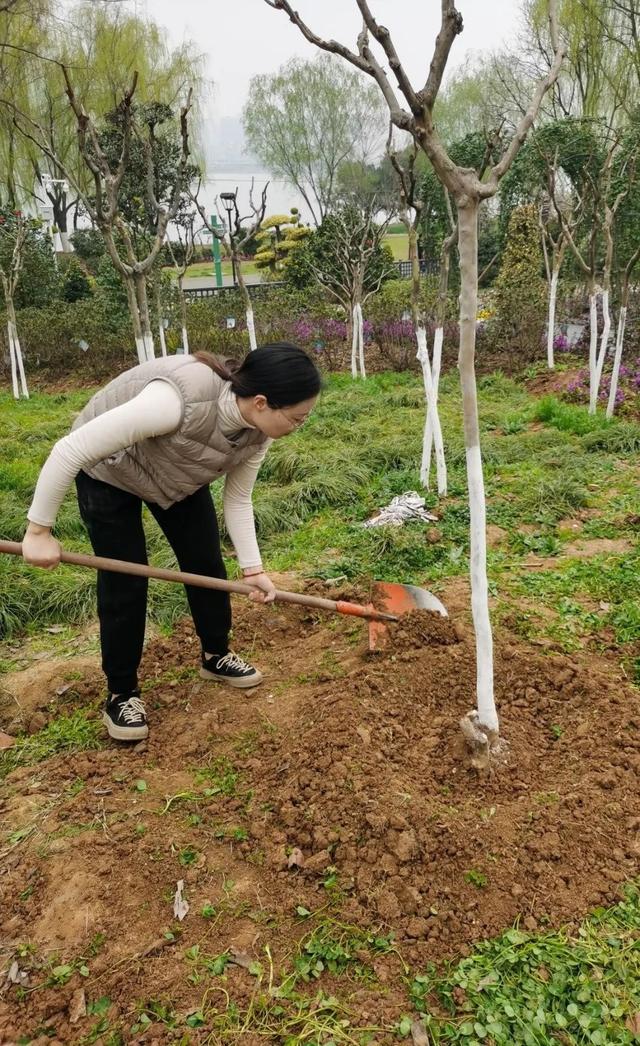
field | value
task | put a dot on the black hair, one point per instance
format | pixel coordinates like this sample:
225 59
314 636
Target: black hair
281 372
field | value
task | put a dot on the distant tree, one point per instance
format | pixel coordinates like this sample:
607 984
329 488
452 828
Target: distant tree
309 119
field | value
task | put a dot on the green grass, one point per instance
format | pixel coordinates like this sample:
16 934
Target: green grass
66 734
545 461
207 268
399 244
541 989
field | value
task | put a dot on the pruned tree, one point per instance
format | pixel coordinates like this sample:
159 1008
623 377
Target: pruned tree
108 207
307 119
235 239
347 257
410 207
411 110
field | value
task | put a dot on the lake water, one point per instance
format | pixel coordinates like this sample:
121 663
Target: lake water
281 197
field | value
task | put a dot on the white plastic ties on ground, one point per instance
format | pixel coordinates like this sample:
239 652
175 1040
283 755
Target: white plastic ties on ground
401 510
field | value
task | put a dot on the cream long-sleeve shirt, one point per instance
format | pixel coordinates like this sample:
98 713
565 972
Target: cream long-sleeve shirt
156 411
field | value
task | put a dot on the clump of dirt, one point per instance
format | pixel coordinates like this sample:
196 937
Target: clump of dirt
420 627
355 763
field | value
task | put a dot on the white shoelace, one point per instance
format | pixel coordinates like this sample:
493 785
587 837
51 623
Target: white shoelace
232 661
132 710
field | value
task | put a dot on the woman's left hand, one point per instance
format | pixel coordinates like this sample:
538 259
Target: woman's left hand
265 590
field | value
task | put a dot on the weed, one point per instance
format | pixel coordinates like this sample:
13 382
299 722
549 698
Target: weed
476 878
74 733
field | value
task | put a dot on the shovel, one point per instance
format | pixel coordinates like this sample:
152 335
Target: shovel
396 599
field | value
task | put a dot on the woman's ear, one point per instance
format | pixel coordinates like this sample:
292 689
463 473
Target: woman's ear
260 402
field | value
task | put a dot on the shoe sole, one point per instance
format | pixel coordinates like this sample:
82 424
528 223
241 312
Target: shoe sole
240 684
124 733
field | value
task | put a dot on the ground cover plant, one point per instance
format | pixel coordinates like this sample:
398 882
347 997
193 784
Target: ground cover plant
349 880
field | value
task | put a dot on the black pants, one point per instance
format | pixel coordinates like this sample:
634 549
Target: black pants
114 521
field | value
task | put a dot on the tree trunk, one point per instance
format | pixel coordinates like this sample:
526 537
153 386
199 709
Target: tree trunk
145 319
363 372
18 378
551 320
14 366
183 315
604 339
593 348
432 421
135 317
248 307
162 338
485 719
438 339
354 340
622 319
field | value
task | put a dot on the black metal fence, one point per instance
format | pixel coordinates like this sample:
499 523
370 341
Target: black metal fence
257 290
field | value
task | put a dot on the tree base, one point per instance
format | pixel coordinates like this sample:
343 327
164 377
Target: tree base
485 746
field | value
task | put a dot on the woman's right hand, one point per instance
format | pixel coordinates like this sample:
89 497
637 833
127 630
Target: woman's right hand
40 548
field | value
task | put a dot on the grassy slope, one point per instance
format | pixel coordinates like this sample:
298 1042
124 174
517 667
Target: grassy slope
544 463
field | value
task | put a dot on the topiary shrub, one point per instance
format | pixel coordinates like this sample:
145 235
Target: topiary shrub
520 289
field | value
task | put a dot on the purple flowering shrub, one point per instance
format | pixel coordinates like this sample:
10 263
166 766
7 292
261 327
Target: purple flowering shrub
627 393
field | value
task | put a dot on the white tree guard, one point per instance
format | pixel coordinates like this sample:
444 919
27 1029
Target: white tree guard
354 342
140 349
20 362
185 341
551 319
163 342
604 340
363 372
593 352
12 359
480 590
251 327
427 441
149 347
432 428
622 320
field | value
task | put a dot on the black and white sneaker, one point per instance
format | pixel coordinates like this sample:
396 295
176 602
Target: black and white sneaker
125 718
230 669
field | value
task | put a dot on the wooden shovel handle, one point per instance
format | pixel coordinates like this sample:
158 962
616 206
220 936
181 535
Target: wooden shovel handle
120 566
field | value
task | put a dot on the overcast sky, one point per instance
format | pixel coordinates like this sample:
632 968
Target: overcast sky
243 37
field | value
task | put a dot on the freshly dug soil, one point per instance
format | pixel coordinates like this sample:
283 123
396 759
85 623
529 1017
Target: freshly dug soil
354 760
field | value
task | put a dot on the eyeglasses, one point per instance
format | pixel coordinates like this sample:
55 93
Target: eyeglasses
293 422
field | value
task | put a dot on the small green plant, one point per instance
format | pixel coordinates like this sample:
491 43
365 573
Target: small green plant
476 878
188 856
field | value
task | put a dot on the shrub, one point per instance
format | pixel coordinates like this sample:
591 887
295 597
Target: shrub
75 284
520 291
89 245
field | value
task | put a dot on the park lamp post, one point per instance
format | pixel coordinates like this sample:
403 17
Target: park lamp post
229 203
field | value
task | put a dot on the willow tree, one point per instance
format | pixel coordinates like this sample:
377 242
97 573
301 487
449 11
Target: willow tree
411 110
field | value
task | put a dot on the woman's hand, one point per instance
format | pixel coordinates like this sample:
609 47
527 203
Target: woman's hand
265 590
40 548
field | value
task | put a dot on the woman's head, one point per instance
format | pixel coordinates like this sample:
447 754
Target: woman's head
277 386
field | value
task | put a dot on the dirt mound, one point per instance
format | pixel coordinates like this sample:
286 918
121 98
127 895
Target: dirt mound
341 784
421 628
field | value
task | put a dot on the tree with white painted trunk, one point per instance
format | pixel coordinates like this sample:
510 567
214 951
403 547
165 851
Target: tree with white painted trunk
14 230
626 230
410 207
107 154
347 257
182 250
411 110
235 239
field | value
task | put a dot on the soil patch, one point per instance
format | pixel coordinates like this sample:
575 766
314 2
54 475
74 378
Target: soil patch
340 786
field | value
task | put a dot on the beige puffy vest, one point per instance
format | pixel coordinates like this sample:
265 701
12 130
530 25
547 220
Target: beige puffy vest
166 469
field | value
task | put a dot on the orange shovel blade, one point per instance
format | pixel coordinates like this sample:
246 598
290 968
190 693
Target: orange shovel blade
399 599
